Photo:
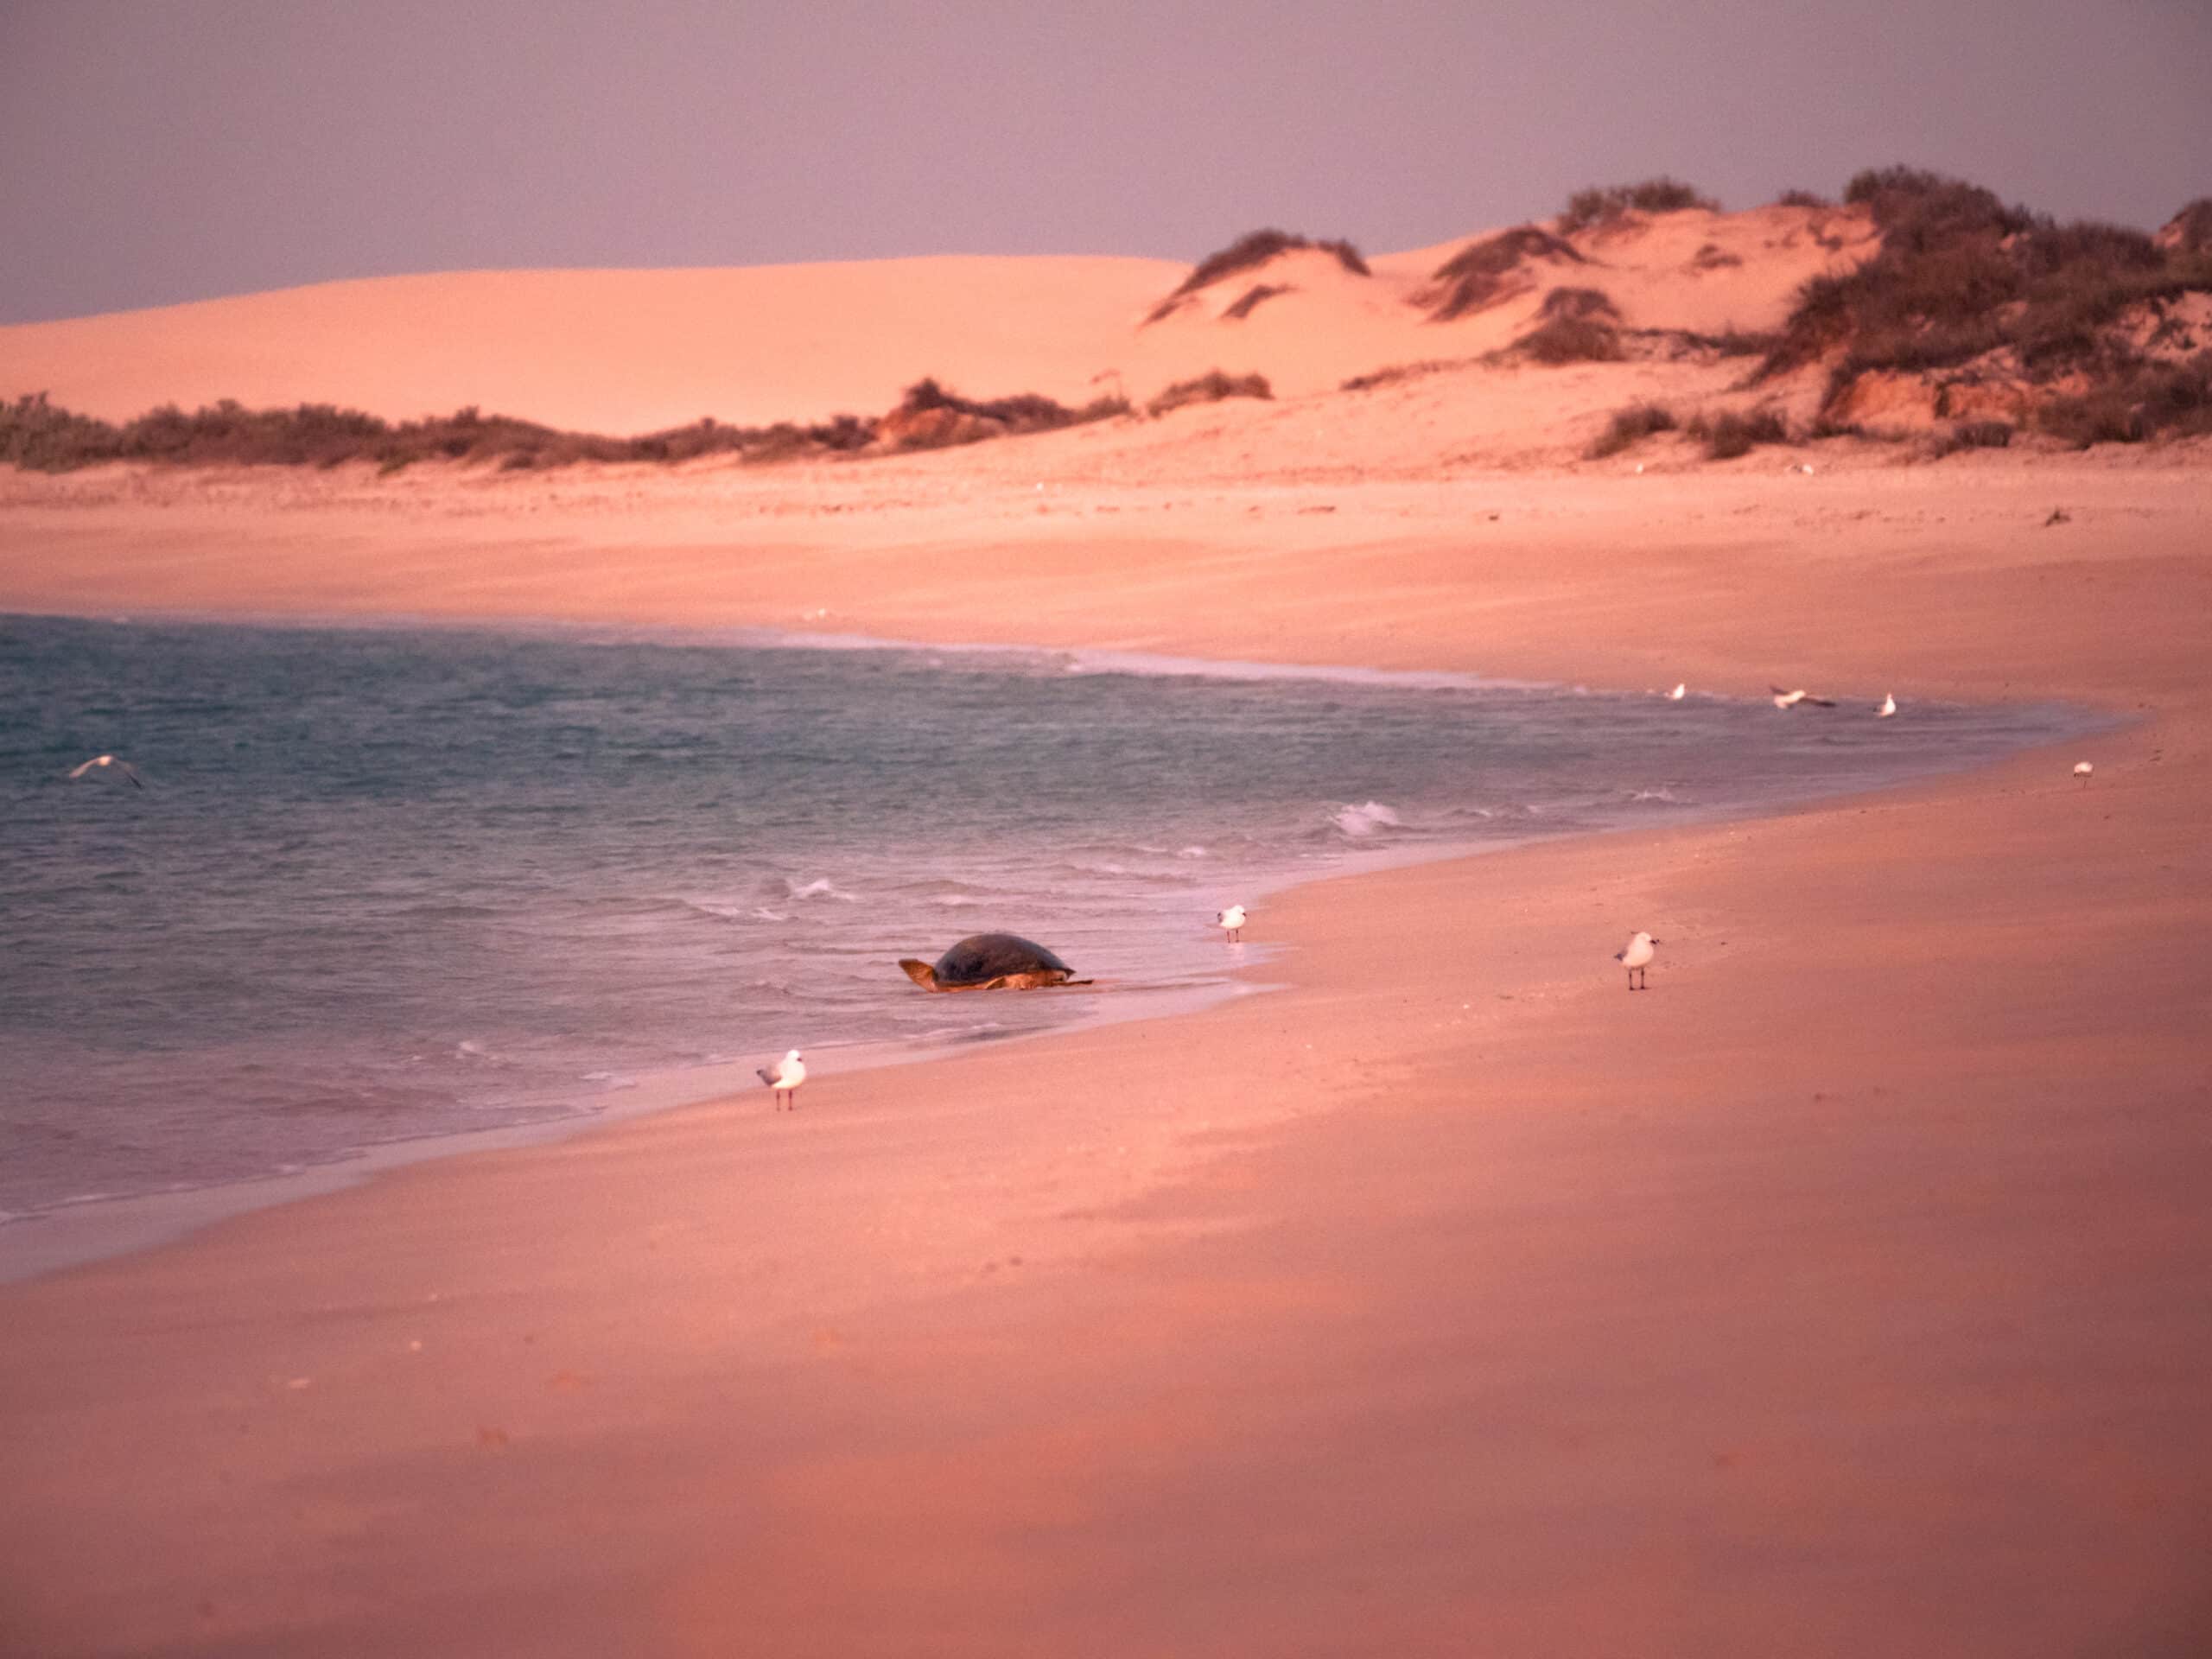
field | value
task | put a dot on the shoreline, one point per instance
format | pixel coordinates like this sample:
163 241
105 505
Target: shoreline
1838 1292
80 1230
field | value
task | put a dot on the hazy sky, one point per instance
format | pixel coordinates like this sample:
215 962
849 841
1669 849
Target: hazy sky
158 150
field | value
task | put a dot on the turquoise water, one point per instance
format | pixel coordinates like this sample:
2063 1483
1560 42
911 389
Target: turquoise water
392 883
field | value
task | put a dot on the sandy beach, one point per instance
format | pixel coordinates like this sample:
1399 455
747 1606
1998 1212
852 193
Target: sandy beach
1843 1293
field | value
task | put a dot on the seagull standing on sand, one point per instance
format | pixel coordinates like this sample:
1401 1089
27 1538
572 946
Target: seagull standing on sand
1889 707
784 1078
1635 956
2082 770
123 766
1790 699
1230 921
1679 692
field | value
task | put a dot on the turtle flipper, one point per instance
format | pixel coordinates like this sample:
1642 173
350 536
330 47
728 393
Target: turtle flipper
921 973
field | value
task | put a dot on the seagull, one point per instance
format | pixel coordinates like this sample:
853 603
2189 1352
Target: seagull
1790 699
1889 707
1679 692
2082 770
784 1078
123 766
1230 920
1635 956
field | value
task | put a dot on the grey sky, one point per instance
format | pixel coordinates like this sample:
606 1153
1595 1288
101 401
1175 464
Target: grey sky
175 149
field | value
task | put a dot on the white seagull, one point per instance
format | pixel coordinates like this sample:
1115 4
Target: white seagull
784 1078
1635 956
1790 699
1679 692
1230 920
2083 769
1889 707
123 766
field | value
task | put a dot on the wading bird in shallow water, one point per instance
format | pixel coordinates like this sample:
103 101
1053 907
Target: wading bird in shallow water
1790 699
1889 707
1230 921
784 1078
2082 770
123 766
1635 956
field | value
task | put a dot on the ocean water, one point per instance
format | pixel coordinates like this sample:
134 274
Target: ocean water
390 883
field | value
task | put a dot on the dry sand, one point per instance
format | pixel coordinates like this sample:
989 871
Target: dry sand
1847 1293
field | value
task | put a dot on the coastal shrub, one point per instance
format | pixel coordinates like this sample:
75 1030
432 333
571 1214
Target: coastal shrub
38 434
1210 388
1802 198
2150 400
1974 434
1729 435
1569 339
1249 252
1479 272
1598 205
1579 304
1960 274
2190 230
1631 426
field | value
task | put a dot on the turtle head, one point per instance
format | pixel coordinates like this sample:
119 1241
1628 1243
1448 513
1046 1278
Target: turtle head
921 973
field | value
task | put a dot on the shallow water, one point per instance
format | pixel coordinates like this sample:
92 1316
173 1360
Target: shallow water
392 883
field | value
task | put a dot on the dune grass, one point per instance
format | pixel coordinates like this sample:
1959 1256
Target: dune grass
1210 388
1483 270
1629 427
1249 252
1601 205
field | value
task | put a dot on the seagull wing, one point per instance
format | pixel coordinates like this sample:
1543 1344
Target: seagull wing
79 771
132 772
1821 702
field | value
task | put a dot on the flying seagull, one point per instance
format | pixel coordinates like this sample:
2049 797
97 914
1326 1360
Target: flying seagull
1889 707
1230 921
123 766
784 1078
1635 956
1790 699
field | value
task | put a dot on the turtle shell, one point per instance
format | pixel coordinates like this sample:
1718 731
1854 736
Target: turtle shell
984 957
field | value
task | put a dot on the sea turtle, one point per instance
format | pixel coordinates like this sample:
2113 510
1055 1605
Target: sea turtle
992 962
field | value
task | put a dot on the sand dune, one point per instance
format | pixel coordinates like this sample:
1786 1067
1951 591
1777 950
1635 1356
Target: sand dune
633 351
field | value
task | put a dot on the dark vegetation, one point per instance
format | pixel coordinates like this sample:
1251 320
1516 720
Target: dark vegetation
1210 388
1252 299
1247 253
1479 272
40 435
1396 373
1601 206
1960 275
1974 434
1629 427
1727 435
1025 412
1579 325
2191 228
1802 198
2149 400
